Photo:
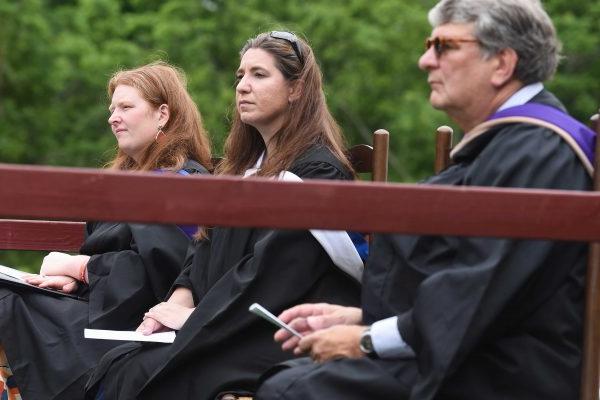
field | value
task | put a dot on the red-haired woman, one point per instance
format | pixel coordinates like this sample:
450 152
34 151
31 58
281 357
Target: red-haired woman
122 268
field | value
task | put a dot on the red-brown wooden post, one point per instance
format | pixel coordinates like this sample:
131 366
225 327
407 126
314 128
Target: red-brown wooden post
381 144
590 372
443 145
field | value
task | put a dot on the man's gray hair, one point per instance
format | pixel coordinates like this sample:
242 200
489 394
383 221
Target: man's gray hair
522 25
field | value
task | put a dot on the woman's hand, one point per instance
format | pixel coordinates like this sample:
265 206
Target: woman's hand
56 263
64 283
310 318
169 314
149 326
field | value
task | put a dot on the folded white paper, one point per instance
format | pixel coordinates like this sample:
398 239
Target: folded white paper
160 337
15 273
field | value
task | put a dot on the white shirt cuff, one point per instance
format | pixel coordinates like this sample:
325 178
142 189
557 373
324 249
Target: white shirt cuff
387 340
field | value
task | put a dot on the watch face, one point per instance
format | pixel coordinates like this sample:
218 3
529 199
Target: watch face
366 344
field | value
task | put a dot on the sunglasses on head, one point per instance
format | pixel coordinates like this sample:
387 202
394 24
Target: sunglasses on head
442 44
291 39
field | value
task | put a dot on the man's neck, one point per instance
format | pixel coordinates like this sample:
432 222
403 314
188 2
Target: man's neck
470 118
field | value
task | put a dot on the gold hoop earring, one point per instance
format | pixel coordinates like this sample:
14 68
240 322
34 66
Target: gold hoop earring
159 132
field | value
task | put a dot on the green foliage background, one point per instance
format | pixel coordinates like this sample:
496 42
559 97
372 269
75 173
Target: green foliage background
57 55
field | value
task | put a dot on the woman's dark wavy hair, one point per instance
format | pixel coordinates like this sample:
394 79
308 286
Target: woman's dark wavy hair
308 121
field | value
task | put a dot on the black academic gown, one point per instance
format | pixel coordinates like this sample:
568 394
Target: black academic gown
222 346
487 318
131 268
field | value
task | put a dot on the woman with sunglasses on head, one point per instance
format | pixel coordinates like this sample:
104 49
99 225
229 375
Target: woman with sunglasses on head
122 268
282 130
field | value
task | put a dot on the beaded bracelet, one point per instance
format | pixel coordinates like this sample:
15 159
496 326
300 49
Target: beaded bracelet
82 272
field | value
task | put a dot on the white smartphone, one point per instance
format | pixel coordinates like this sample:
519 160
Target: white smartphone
264 313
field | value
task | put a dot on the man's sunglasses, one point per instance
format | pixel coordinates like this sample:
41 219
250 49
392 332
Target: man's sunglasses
291 39
442 44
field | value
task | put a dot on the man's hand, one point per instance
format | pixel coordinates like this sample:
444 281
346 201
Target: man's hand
310 318
171 315
341 341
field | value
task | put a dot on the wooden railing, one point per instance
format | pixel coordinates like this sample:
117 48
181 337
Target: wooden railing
69 194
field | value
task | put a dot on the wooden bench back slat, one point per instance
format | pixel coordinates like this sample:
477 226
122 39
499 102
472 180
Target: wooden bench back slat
443 145
41 235
76 194
372 159
381 145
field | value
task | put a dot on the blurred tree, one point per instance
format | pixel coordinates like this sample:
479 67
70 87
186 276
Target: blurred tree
577 82
56 56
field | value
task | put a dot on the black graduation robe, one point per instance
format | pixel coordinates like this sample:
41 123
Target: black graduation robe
131 268
487 318
222 346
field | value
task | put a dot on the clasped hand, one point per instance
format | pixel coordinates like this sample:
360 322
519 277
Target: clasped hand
329 331
59 271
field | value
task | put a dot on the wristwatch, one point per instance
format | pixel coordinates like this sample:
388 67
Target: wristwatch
366 343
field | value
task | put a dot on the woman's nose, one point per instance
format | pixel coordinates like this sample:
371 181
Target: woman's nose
242 86
112 118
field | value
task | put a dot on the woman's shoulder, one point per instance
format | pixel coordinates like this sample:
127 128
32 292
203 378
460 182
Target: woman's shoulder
319 162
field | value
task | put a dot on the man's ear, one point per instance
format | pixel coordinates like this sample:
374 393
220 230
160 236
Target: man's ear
295 90
164 114
506 63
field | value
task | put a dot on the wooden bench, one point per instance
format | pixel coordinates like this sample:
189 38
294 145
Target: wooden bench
41 235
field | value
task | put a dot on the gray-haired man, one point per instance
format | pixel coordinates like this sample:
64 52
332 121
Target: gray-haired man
455 317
